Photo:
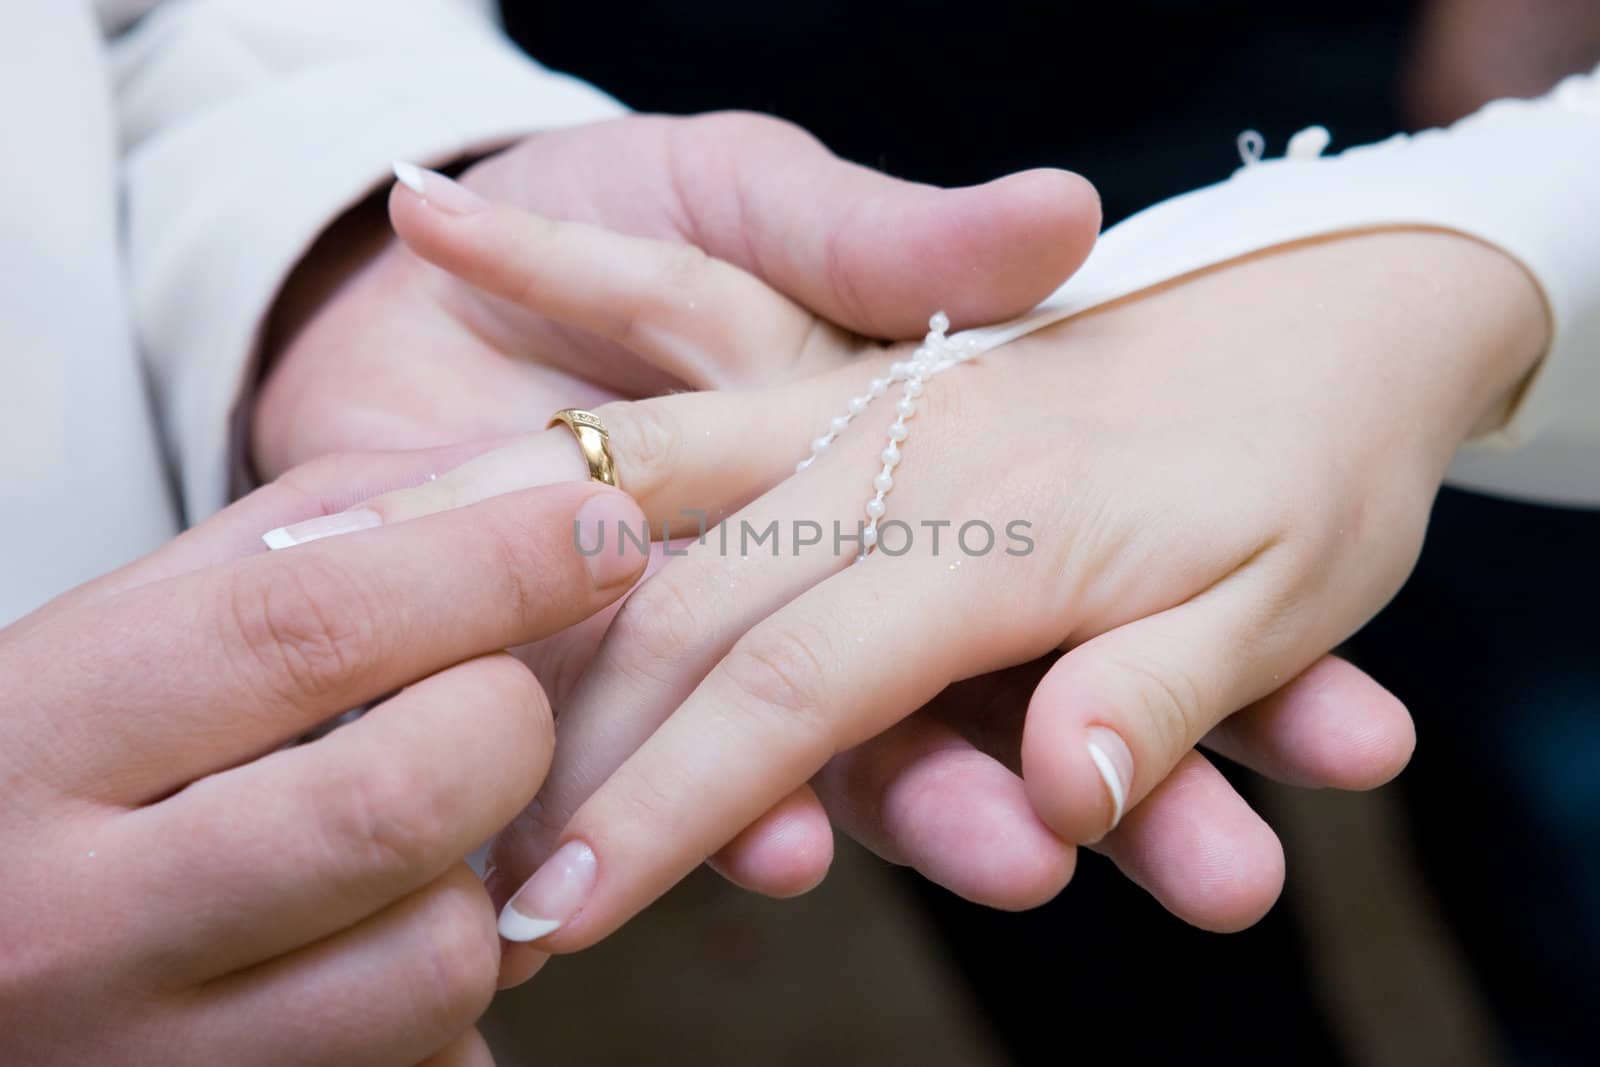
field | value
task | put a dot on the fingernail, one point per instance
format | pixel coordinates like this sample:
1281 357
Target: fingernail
552 896
608 532
449 196
1115 763
324 526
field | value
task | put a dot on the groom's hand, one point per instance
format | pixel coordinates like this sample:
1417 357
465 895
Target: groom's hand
373 349
179 887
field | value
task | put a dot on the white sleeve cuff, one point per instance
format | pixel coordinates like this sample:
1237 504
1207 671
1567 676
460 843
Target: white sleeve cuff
1523 176
224 200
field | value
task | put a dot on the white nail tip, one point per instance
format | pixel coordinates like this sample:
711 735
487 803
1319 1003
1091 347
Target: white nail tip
409 175
1108 772
515 926
279 538
325 526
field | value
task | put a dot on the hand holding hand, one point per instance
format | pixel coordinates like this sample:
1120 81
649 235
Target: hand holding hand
183 889
1177 560
372 348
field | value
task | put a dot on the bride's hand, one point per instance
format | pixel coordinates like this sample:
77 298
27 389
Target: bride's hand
939 791
1223 479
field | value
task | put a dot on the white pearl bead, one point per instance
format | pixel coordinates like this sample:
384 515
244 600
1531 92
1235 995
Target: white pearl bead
897 432
899 370
802 465
875 509
869 536
820 444
907 407
922 355
858 404
939 323
879 385
883 482
840 424
914 387
891 456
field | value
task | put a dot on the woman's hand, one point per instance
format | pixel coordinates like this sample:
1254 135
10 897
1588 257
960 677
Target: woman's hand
1223 479
180 888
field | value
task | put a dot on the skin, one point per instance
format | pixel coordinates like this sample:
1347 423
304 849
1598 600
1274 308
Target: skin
381 350
1233 513
372 349
188 872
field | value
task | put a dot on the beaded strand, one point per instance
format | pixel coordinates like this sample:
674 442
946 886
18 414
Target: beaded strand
937 353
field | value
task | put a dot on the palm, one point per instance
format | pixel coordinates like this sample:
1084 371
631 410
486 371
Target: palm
459 364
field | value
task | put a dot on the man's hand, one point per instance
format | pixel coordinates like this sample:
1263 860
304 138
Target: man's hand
378 350
180 887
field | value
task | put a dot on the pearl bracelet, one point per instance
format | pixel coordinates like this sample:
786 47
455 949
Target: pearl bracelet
937 353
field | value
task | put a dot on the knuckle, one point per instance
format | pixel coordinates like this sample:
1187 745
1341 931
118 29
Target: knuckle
682 272
525 277
650 798
382 821
659 624
1167 698
647 440
845 283
735 127
306 629
780 668
461 954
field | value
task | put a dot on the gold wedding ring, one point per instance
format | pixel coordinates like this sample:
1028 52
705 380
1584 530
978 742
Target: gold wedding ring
593 441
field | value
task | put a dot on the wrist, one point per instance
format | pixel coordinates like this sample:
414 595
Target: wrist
1407 341
1482 318
350 248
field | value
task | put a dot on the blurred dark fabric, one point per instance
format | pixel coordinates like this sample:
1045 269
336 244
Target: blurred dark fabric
1144 98
1493 644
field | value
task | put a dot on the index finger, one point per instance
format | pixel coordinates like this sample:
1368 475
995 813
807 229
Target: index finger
839 664
184 676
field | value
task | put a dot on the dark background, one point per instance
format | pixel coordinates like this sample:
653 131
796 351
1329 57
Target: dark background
1143 98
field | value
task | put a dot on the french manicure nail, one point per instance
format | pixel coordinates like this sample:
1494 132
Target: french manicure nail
552 896
1115 763
608 531
449 196
324 526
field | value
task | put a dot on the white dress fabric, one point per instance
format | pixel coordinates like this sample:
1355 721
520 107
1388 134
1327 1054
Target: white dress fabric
165 167
1523 176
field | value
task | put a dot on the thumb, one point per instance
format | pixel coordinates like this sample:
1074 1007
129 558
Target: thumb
1115 715
872 253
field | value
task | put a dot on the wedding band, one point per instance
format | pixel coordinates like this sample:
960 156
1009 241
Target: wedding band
592 440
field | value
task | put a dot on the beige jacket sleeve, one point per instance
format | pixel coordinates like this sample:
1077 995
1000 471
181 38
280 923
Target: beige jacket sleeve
248 127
